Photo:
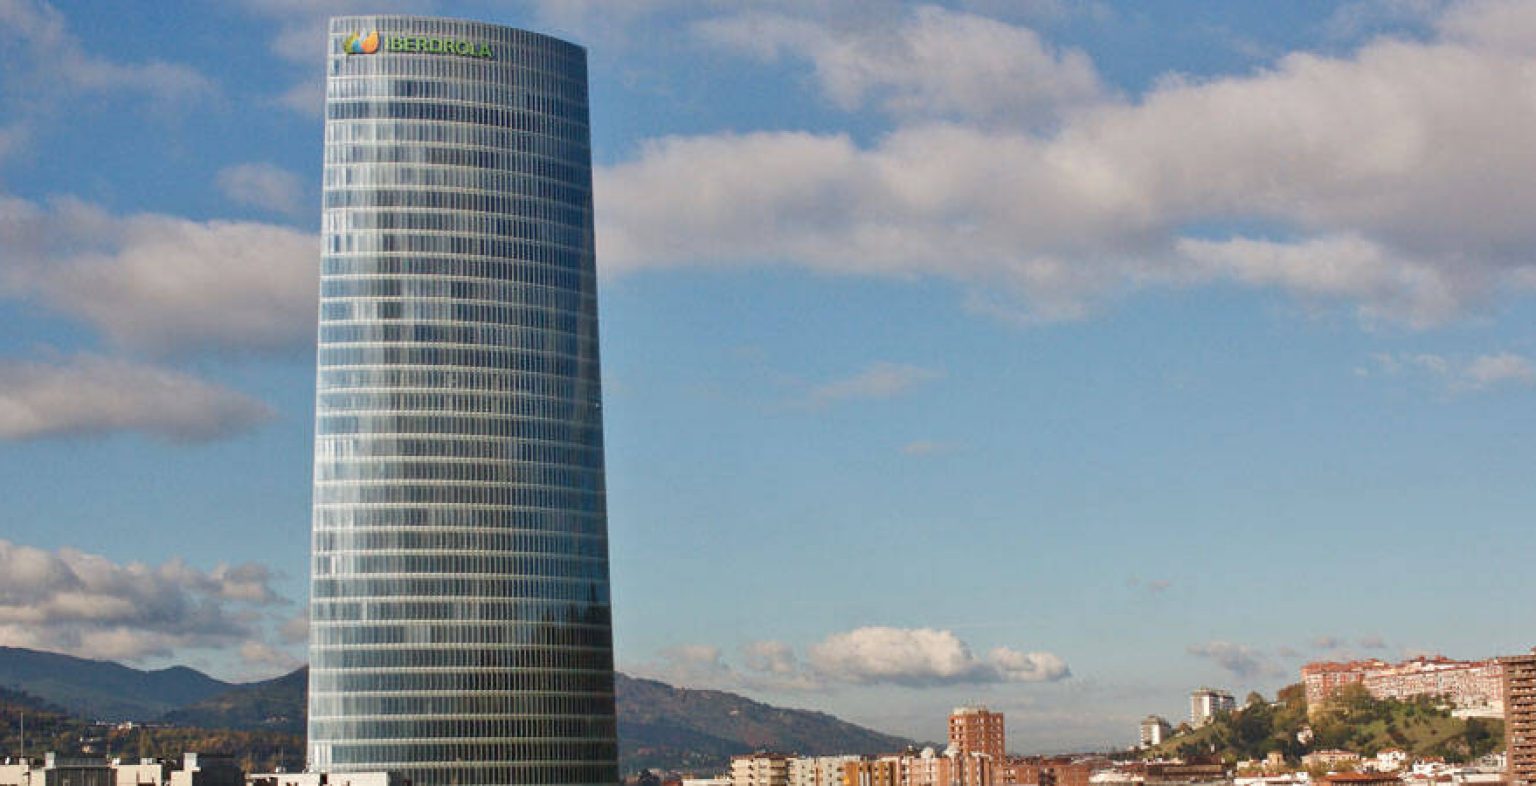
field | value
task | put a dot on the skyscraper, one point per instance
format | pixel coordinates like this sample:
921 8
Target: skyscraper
460 628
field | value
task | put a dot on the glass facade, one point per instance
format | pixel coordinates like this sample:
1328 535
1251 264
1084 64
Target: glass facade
460 629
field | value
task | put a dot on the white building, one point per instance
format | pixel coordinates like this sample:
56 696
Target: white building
1205 704
18 774
147 772
1390 760
323 779
1154 729
817 770
760 769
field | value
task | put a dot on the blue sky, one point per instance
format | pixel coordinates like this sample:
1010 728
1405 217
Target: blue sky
1063 357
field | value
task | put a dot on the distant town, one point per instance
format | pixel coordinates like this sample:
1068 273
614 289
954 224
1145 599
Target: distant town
1465 706
1425 721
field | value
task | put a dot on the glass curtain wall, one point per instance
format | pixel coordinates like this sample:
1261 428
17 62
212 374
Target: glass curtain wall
460 629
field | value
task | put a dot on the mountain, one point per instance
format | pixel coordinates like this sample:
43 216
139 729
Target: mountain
102 690
660 726
271 705
663 727
42 722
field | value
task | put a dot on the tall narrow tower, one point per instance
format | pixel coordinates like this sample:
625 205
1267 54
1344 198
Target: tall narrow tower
460 627
978 730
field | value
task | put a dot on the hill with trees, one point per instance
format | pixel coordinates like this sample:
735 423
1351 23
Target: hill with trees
50 728
103 690
1352 720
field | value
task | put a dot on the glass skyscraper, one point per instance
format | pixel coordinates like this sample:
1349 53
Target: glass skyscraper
460 629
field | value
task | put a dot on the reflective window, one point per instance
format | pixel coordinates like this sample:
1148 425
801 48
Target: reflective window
460 619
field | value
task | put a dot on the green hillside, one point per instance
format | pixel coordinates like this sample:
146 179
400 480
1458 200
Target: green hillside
1352 721
50 729
273 705
103 690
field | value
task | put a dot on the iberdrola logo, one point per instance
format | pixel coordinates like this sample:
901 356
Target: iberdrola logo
357 44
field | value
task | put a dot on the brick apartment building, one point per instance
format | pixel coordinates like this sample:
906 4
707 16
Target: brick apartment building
978 730
1046 771
1520 718
1468 685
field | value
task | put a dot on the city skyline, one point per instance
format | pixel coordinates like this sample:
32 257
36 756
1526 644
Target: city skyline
1058 358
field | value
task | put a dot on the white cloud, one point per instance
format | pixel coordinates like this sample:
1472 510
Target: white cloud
87 396
1327 642
1491 370
1509 25
55 60
300 38
85 604
263 185
877 381
766 666
772 657
306 98
295 629
931 62
910 657
923 657
1459 375
1395 179
161 283
1351 267
1362 18
691 665
1239 659
263 659
12 138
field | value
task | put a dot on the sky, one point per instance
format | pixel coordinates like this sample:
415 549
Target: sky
1061 357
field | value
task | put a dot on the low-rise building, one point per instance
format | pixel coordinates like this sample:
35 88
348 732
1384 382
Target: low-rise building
18 773
1177 772
1279 779
1331 759
70 771
1389 760
1048 771
817 770
760 769
884 771
145 772
1360 779
205 770
326 779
